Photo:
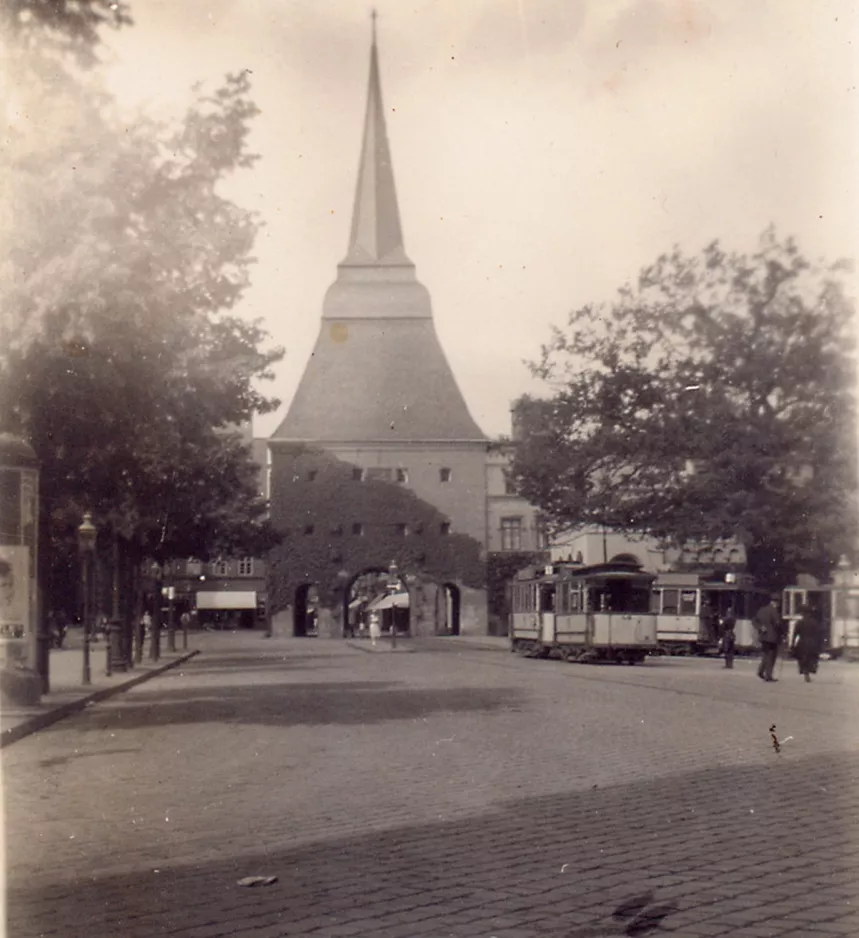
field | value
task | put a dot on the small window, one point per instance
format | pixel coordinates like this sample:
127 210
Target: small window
670 602
444 528
311 476
220 568
380 474
402 475
358 530
308 529
246 566
402 530
511 534
357 474
444 474
509 485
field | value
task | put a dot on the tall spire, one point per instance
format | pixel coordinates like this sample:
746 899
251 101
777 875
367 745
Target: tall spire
376 237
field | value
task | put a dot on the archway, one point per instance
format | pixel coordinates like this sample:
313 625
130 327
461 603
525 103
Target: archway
304 611
452 603
380 592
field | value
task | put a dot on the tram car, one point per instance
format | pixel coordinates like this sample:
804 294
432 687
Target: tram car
837 606
690 608
583 613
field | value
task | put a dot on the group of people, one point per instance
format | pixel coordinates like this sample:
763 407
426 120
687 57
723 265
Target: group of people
806 644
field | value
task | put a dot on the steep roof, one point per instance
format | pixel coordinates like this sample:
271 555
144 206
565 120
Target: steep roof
378 372
376 235
376 380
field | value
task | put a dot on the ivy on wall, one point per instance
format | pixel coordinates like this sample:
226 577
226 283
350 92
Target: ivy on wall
330 520
500 570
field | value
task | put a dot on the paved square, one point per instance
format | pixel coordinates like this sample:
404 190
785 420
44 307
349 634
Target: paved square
454 791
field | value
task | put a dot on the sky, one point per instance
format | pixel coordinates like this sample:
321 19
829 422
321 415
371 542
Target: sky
544 151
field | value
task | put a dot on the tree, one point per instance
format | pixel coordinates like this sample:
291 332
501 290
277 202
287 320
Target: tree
120 358
713 399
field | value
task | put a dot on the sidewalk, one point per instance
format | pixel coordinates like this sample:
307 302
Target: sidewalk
68 693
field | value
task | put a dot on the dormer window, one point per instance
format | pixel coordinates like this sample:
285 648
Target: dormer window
402 475
444 474
311 476
357 474
308 529
444 528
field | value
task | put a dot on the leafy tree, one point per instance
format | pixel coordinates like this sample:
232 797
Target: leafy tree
120 359
713 399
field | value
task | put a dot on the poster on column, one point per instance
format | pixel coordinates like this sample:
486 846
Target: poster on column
14 591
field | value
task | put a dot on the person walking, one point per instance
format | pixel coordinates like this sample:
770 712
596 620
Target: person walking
807 642
729 638
767 622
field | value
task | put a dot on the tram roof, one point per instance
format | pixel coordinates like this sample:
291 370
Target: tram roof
601 571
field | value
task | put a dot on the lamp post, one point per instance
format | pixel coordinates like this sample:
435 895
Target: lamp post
155 639
87 534
393 587
342 580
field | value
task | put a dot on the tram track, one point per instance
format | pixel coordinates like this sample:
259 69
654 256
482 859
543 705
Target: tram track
496 658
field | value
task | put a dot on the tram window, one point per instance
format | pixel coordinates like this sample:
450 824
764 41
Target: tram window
547 600
688 602
670 602
846 606
575 601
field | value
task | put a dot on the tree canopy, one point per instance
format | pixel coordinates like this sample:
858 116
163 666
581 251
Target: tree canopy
122 358
714 398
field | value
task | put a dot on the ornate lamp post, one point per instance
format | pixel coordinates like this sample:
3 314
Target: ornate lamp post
155 639
393 588
87 534
341 581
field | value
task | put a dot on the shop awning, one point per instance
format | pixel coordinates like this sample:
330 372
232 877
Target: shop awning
222 599
400 600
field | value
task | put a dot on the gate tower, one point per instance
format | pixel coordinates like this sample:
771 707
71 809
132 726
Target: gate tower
378 392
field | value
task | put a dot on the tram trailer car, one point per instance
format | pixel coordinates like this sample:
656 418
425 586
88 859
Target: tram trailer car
690 608
836 606
583 613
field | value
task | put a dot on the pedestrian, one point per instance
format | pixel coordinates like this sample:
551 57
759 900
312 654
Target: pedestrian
807 642
375 627
729 638
145 627
767 622
61 625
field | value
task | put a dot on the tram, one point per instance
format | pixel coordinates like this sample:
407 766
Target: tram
583 613
691 606
837 606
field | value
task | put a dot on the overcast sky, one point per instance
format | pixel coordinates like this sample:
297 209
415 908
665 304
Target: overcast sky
544 150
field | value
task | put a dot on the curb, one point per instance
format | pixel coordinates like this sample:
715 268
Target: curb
384 648
36 723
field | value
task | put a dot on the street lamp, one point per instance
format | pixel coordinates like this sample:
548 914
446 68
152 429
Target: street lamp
87 534
155 638
393 588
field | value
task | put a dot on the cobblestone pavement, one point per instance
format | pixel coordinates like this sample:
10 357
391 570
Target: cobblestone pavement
453 791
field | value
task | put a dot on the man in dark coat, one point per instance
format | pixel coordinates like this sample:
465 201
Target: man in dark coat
768 624
807 642
729 637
